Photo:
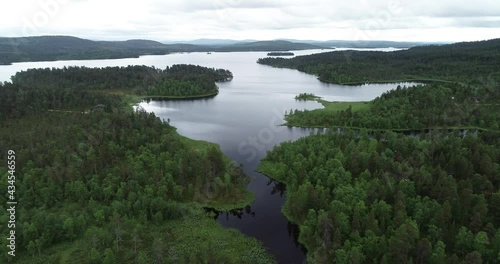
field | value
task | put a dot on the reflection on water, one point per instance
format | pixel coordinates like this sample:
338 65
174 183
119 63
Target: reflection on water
238 213
277 187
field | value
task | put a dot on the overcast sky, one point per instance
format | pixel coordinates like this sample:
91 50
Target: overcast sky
163 20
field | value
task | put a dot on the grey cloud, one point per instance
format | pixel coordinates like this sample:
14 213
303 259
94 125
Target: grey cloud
190 19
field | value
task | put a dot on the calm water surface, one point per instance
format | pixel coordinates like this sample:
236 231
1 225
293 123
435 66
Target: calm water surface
243 119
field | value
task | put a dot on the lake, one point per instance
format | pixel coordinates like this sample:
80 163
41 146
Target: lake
244 120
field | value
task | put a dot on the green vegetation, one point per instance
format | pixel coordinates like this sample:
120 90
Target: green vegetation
460 62
307 97
421 107
321 117
461 91
177 81
391 198
50 48
338 106
277 54
97 183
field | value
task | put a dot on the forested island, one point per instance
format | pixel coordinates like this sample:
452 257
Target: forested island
99 183
366 194
278 54
306 97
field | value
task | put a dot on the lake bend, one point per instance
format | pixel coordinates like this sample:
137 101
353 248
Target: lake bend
244 119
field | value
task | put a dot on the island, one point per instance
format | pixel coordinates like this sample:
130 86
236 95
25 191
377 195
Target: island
278 54
307 97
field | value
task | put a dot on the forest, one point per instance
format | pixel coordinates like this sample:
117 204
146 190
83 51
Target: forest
460 87
410 177
391 198
430 106
37 90
460 62
99 183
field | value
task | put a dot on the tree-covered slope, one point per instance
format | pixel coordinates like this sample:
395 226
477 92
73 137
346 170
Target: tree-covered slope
460 62
59 85
462 89
50 48
431 106
392 198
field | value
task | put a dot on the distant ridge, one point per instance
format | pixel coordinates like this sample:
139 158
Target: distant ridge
459 62
269 45
325 43
210 42
366 44
50 48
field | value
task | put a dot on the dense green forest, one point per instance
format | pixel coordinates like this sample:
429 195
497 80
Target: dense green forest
37 90
462 89
391 198
435 105
460 62
107 185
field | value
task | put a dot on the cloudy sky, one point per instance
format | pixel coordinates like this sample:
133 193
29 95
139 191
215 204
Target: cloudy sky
163 20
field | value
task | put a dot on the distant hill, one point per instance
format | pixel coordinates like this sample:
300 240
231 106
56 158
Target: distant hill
371 44
210 42
327 43
50 48
364 44
453 62
271 45
135 44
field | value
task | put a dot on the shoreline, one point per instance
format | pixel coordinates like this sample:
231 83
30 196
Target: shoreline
416 80
188 97
393 129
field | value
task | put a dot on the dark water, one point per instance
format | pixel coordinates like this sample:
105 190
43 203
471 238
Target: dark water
243 119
